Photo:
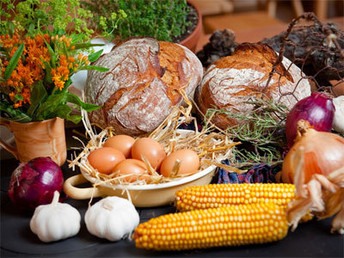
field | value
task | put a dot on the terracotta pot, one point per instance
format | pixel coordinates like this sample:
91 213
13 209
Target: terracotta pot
191 41
37 139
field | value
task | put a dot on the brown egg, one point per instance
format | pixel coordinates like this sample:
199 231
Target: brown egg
121 142
150 149
189 162
105 159
135 169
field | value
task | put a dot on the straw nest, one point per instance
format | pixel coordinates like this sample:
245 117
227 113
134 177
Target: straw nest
211 145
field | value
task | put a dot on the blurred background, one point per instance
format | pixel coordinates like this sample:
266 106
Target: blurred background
248 14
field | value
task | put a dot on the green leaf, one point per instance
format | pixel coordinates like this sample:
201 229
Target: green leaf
74 118
54 104
94 67
18 97
52 55
63 111
71 98
13 62
48 109
48 75
76 38
11 28
87 45
14 114
94 56
38 95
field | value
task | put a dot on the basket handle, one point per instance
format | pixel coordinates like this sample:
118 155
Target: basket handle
10 148
70 188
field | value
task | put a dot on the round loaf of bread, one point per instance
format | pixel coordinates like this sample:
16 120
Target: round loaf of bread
232 81
142 85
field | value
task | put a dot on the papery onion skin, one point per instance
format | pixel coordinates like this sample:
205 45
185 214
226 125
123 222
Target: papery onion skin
323 154
34 183
317 109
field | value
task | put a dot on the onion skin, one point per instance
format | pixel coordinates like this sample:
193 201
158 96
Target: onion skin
34 183
317 109
323 153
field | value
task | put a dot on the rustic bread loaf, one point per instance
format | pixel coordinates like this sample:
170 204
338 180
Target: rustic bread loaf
139 90
233 80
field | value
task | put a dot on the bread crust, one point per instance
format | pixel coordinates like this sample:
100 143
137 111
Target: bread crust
231 81
139 90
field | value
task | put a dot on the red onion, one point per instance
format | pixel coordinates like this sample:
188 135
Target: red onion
34 183
317 109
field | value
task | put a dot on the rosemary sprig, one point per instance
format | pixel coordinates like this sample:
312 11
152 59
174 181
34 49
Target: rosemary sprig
260 131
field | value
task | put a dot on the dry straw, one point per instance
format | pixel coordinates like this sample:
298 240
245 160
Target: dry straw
211 145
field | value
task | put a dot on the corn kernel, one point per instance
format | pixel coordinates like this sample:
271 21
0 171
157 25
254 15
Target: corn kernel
238 225
195 197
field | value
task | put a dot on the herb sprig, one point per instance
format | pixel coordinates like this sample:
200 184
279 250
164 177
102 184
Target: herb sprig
162 20
39 17
261 133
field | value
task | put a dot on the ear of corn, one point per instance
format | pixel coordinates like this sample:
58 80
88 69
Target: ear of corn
219 195
205 228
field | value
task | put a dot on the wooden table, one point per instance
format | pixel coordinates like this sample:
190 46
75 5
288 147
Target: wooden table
311 239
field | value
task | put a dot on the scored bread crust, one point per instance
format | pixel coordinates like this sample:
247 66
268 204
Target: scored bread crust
141 86
230 82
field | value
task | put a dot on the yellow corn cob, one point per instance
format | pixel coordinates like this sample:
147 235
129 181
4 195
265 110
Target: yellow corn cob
205 228
219 195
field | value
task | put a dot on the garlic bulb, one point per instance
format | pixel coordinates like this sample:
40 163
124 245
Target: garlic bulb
112 218
338 120
55 221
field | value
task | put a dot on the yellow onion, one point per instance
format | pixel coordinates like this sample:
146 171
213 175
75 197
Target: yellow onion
322 153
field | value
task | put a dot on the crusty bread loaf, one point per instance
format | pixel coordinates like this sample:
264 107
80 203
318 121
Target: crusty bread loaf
231 81
139 90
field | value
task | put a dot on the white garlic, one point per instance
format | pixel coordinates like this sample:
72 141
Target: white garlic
55 221
112 218
338 120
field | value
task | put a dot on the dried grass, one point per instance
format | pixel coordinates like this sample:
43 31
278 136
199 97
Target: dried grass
211 145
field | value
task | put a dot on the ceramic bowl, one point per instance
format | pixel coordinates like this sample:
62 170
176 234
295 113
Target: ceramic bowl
151 195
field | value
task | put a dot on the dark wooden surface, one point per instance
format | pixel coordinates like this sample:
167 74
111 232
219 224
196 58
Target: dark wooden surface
312 239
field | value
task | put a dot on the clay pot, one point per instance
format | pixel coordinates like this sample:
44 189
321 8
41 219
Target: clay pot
191 41
37 139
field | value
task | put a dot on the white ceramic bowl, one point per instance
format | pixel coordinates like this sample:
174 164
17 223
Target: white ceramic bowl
151 195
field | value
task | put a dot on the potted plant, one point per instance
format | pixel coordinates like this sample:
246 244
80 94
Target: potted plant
38 56
179 21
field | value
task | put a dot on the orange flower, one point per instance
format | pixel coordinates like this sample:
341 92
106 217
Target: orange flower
30 69
18 104
57 79
11 95
25 97
26 94
32 66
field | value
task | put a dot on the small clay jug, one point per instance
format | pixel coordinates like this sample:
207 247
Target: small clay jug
37 139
